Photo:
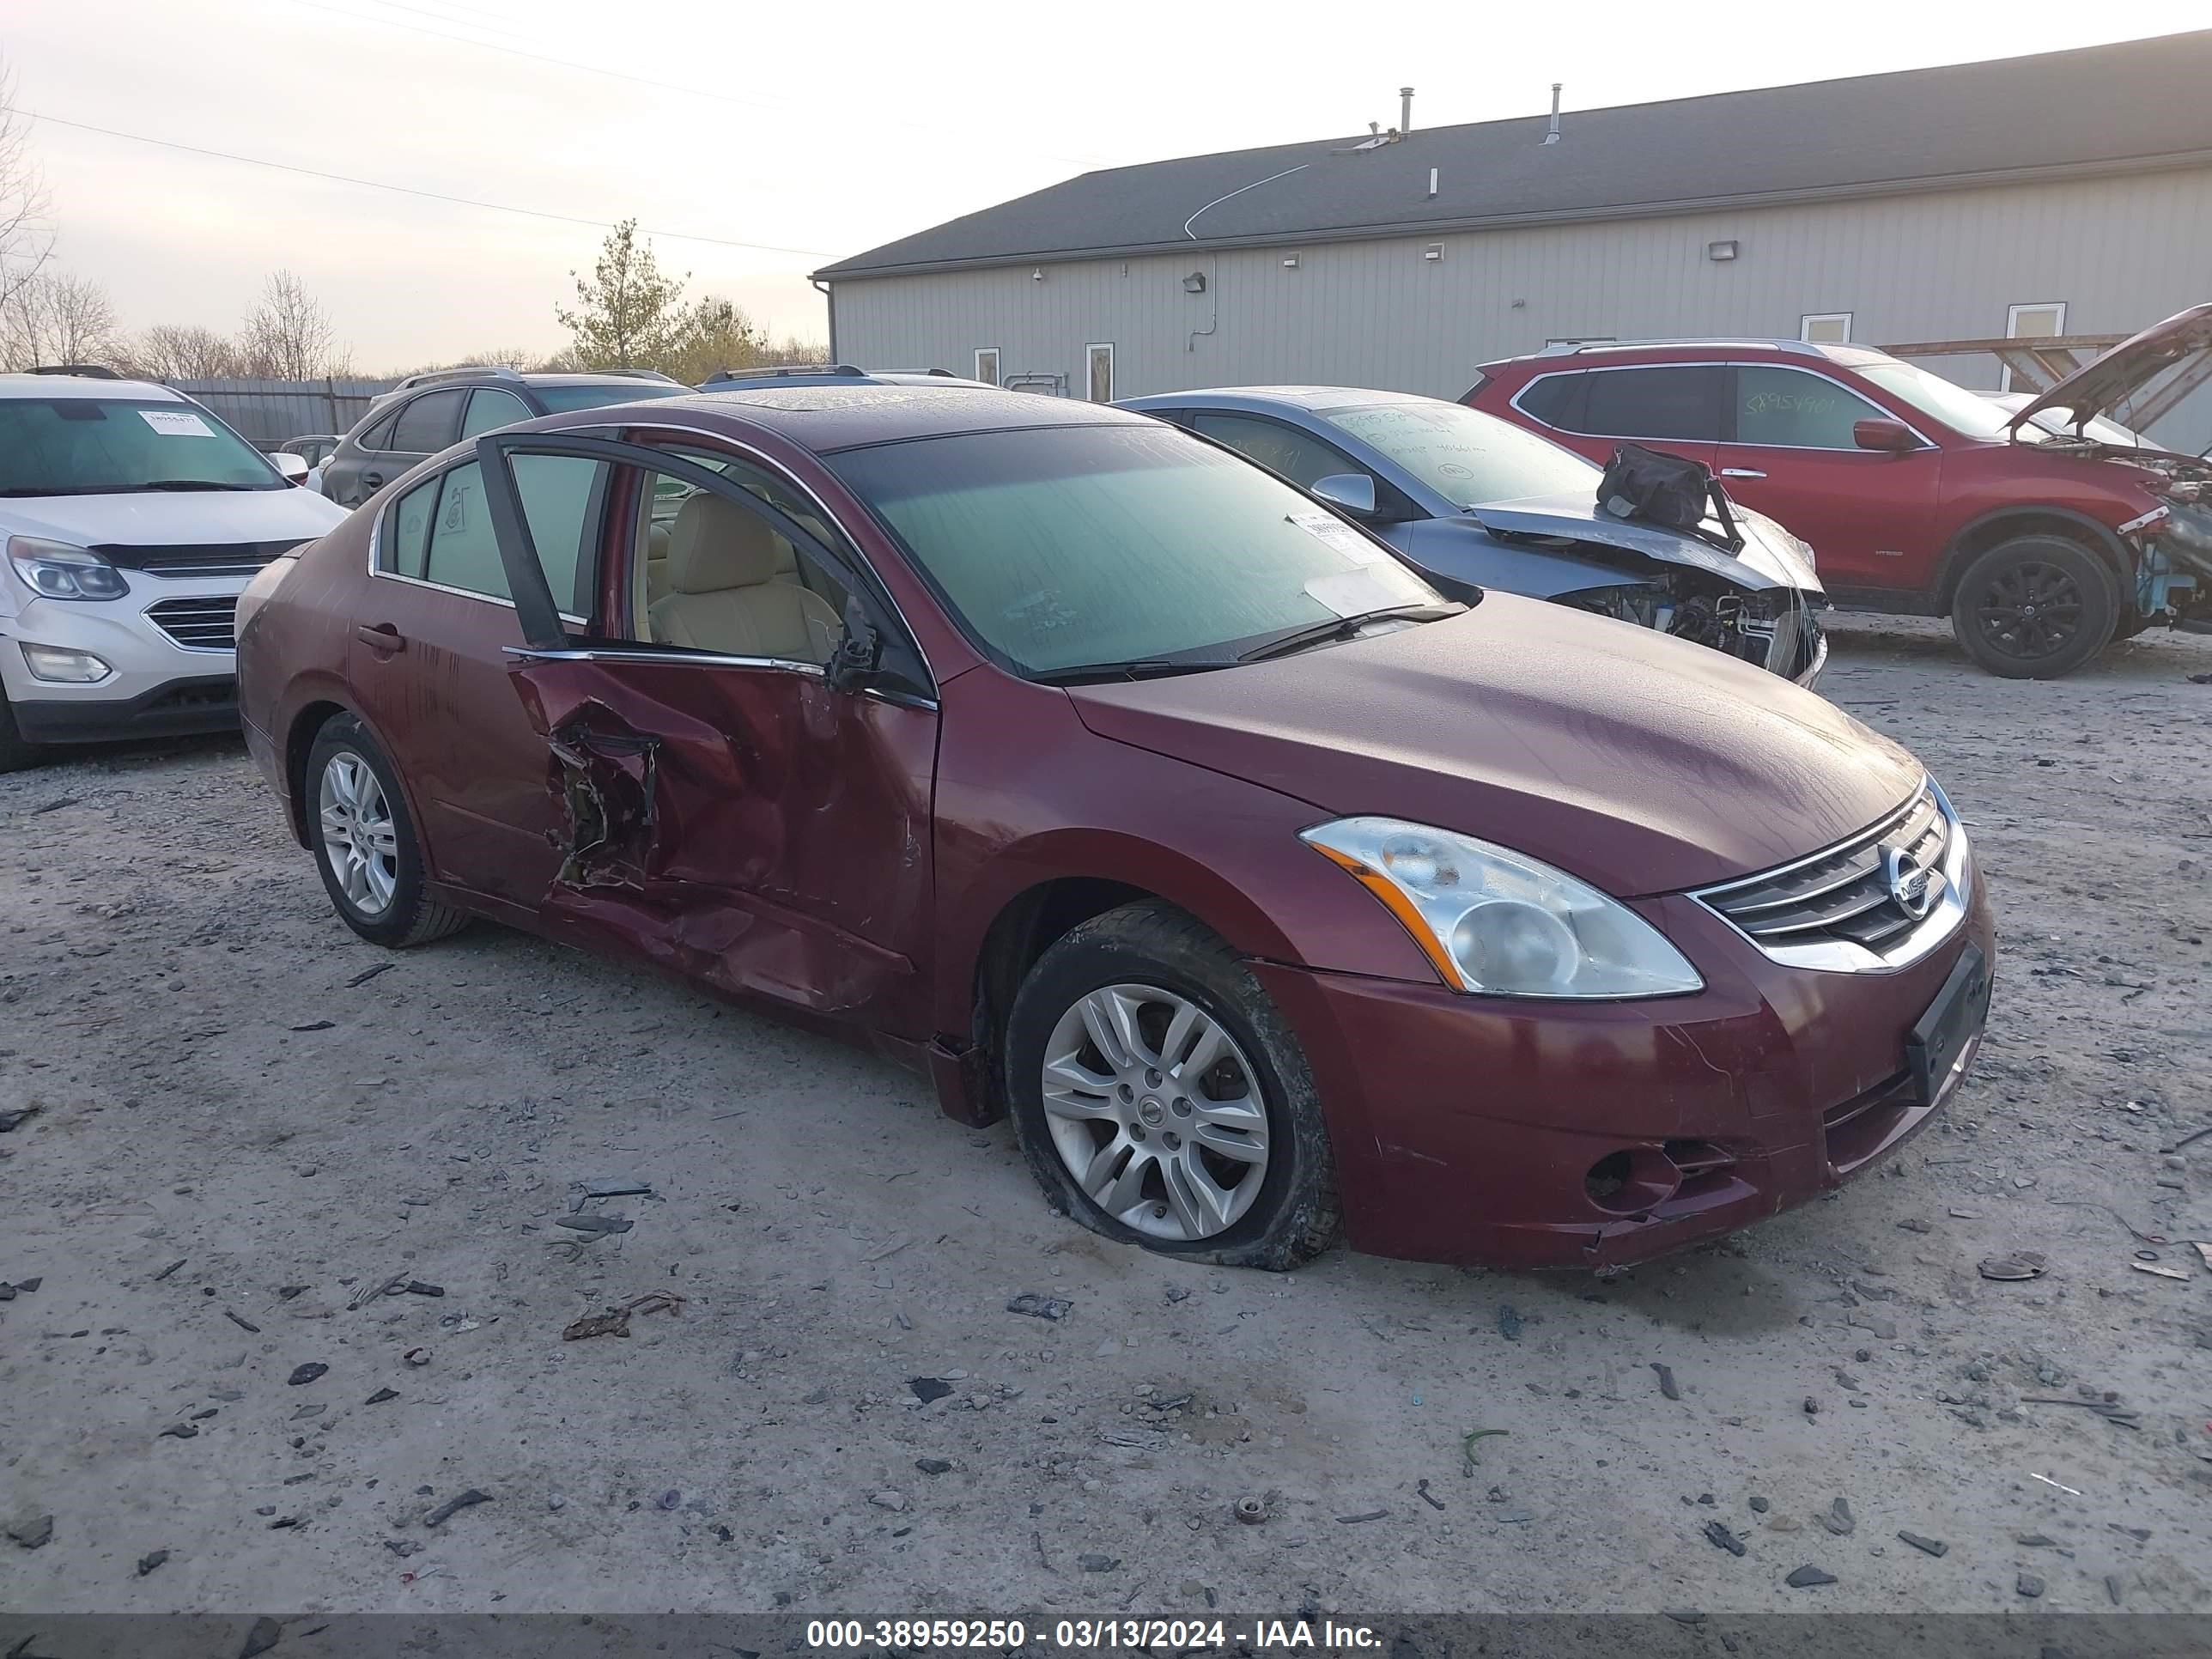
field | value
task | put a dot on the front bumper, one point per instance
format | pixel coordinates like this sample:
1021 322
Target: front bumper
156 686
1465 1129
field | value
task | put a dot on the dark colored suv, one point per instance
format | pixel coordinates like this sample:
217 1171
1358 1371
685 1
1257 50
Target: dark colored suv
1921 497
425 413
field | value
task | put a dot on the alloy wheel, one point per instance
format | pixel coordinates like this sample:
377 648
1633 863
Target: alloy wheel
359 837
1156 1111
2030 610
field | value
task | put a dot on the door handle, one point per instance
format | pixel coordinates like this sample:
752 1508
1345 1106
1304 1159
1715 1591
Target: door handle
380 636
1741 472
371 482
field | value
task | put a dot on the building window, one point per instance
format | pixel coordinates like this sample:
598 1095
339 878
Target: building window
986 364
2040 319
1825 328
1101 362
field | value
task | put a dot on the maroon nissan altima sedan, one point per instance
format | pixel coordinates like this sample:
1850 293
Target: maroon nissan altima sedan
1132 792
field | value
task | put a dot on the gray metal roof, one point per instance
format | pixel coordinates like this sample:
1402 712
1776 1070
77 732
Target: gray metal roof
2111 108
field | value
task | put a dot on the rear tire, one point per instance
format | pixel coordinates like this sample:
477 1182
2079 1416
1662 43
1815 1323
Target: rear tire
365 845
1226 1162
16 754
2035 608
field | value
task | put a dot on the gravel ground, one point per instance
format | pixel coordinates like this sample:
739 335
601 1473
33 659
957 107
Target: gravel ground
240 1136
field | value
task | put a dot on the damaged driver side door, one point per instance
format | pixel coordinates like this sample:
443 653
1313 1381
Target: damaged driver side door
739 754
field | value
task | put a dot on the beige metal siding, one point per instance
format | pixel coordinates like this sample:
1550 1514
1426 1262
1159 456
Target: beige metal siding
2121 252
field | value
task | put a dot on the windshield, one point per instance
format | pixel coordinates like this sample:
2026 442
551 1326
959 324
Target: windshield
1467 457
1931 394
560 399
1059 546
106 446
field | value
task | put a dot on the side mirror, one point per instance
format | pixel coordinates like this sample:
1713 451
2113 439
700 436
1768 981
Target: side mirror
858 654
1890 437
1352 491
294 467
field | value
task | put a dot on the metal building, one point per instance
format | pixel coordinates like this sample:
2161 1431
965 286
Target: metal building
2066 194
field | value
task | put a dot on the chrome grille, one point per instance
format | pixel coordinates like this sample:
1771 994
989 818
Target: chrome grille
1846 894
202 624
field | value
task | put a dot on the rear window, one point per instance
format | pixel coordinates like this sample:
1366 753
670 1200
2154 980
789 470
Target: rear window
122 446
427 425
1663 401
559 400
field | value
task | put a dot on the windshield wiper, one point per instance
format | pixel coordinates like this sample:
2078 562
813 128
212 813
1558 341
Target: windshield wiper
58 489
1337 628
184 483
1134 668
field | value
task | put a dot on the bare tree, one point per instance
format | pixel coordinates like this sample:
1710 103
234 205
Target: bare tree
56 318
287 337
24 240
180 352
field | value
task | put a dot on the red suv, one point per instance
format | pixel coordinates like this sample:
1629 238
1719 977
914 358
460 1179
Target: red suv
2041 538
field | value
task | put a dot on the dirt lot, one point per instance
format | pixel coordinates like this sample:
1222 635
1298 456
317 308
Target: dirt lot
238 1134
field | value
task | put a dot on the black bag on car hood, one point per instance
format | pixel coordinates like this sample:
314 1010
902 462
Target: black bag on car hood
1642 483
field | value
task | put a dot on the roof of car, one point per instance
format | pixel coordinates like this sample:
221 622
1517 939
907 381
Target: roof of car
827 418
1316 397
46 388
1596 353
2134 103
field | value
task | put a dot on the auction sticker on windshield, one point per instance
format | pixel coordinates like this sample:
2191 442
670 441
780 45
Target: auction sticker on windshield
175 423
1342 537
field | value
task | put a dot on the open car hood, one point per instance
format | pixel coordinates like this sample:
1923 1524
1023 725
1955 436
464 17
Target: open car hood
1770 558
2095 388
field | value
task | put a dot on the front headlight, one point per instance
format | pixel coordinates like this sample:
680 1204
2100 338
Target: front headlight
55 570
1494 922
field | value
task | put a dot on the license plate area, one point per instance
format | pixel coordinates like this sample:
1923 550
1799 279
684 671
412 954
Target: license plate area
1940 1034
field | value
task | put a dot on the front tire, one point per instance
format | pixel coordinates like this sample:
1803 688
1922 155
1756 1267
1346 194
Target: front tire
2035 608
365 843
1162 1099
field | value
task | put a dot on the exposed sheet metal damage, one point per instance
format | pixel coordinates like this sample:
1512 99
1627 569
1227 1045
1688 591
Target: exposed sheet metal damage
672 842
1755 603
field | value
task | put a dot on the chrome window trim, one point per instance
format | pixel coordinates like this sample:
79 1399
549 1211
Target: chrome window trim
1843 955
1725 443
677 657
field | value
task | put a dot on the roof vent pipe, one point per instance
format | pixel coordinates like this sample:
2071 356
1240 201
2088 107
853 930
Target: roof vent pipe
1552 136
1405 109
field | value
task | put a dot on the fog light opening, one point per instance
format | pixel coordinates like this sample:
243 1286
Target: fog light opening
59 667
1633 1181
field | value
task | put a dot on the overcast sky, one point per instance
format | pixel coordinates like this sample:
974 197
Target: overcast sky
818 129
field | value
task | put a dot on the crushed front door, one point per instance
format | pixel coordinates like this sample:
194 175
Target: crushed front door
740 820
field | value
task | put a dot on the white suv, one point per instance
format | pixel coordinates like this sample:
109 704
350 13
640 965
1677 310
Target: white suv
131 518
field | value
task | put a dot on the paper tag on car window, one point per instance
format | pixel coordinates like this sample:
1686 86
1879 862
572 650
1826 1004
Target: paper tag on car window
1354 592
176 423
1338 535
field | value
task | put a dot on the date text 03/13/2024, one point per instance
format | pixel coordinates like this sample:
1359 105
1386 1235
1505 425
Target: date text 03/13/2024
1175 1635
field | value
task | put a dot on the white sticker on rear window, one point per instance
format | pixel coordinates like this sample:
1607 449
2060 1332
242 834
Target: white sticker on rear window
1338 535
176 423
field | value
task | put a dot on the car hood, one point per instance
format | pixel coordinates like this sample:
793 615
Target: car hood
1771 557
163 519
2094 388
1640 763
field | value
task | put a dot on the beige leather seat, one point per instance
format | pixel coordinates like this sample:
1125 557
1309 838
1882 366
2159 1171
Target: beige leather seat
656 565
724 595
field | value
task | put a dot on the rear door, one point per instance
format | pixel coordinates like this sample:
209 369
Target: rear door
1789 451
727 803
428 664
1675 408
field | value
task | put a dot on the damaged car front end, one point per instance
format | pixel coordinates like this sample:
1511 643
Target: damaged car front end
2144 380
1474 502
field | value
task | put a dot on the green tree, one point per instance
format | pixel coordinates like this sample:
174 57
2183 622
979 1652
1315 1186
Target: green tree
629 314
717 334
